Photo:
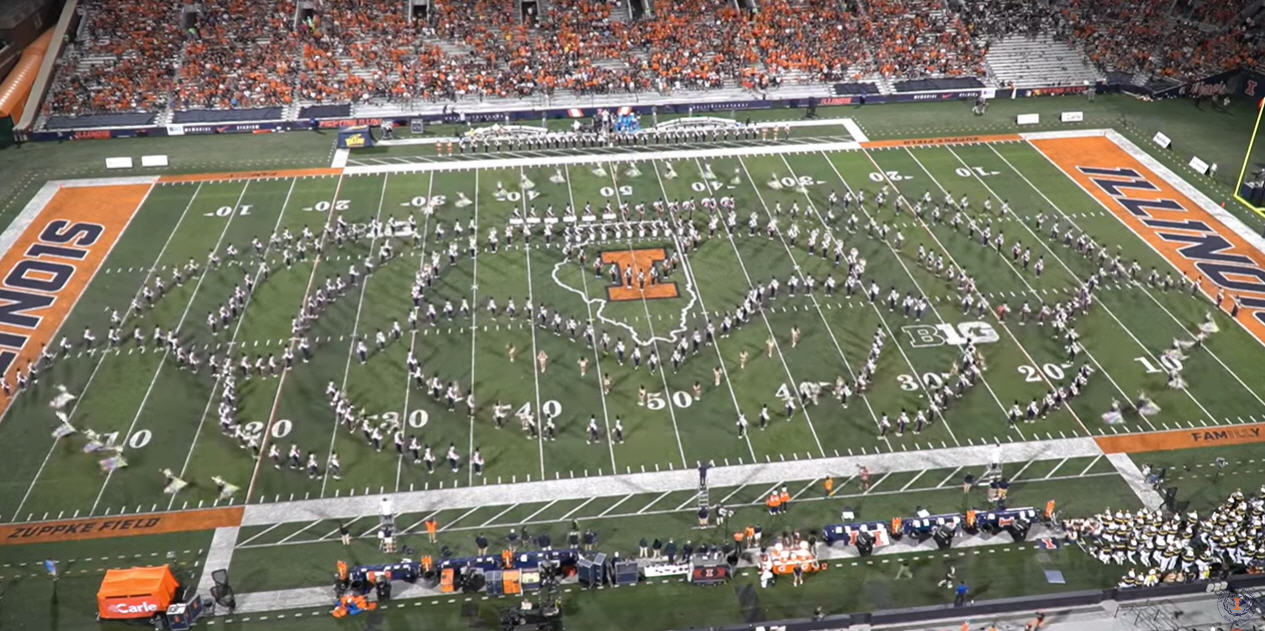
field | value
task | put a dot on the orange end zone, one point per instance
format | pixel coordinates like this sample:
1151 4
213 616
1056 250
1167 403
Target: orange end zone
50 264
1183 439
120 526
933 142
1186 235
246 175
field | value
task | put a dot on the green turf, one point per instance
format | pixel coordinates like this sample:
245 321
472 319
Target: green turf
167 415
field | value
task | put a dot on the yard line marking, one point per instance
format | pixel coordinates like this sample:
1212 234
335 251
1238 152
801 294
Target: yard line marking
260 533
912 480
1056 468
1126 329
688 269
535 365
494 517
459 518
667 392
92 375
577 508
355 329
474 327
653 501
276 400
742 265
412 341
1090 465
206 270
948 477
612 506
597 357
236 328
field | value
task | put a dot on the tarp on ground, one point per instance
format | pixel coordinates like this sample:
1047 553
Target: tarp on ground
931 85
855 88
131 119
227 116
138 592
325 111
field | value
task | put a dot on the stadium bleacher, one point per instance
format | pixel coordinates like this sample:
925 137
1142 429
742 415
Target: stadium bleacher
150 56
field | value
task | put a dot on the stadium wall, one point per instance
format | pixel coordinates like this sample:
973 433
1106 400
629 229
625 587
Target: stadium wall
522 114
993 609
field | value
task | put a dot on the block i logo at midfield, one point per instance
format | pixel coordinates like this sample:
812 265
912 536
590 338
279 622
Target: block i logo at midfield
630 268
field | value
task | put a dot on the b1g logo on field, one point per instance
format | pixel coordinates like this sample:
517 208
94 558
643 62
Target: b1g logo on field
632 264
924 335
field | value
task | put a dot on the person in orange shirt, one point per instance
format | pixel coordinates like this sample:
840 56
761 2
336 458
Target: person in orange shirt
431 527
829 484
774 502
784 499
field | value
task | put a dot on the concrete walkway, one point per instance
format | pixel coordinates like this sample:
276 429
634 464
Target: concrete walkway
667 481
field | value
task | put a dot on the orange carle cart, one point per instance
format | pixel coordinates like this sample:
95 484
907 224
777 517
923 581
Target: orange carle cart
139 592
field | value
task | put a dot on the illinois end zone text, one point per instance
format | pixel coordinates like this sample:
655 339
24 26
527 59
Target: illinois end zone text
50 265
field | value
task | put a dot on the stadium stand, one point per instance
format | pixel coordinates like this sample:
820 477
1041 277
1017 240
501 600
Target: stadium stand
147 56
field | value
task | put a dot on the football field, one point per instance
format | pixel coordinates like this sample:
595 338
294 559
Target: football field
787 353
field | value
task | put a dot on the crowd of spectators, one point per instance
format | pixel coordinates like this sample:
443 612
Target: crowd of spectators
137 43
243 53
237 57
1146 36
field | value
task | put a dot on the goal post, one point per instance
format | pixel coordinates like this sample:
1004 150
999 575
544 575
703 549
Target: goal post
1249 190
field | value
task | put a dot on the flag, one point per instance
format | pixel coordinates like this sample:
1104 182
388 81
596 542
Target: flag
575 112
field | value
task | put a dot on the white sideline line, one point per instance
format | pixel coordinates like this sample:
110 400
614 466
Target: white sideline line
854 130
